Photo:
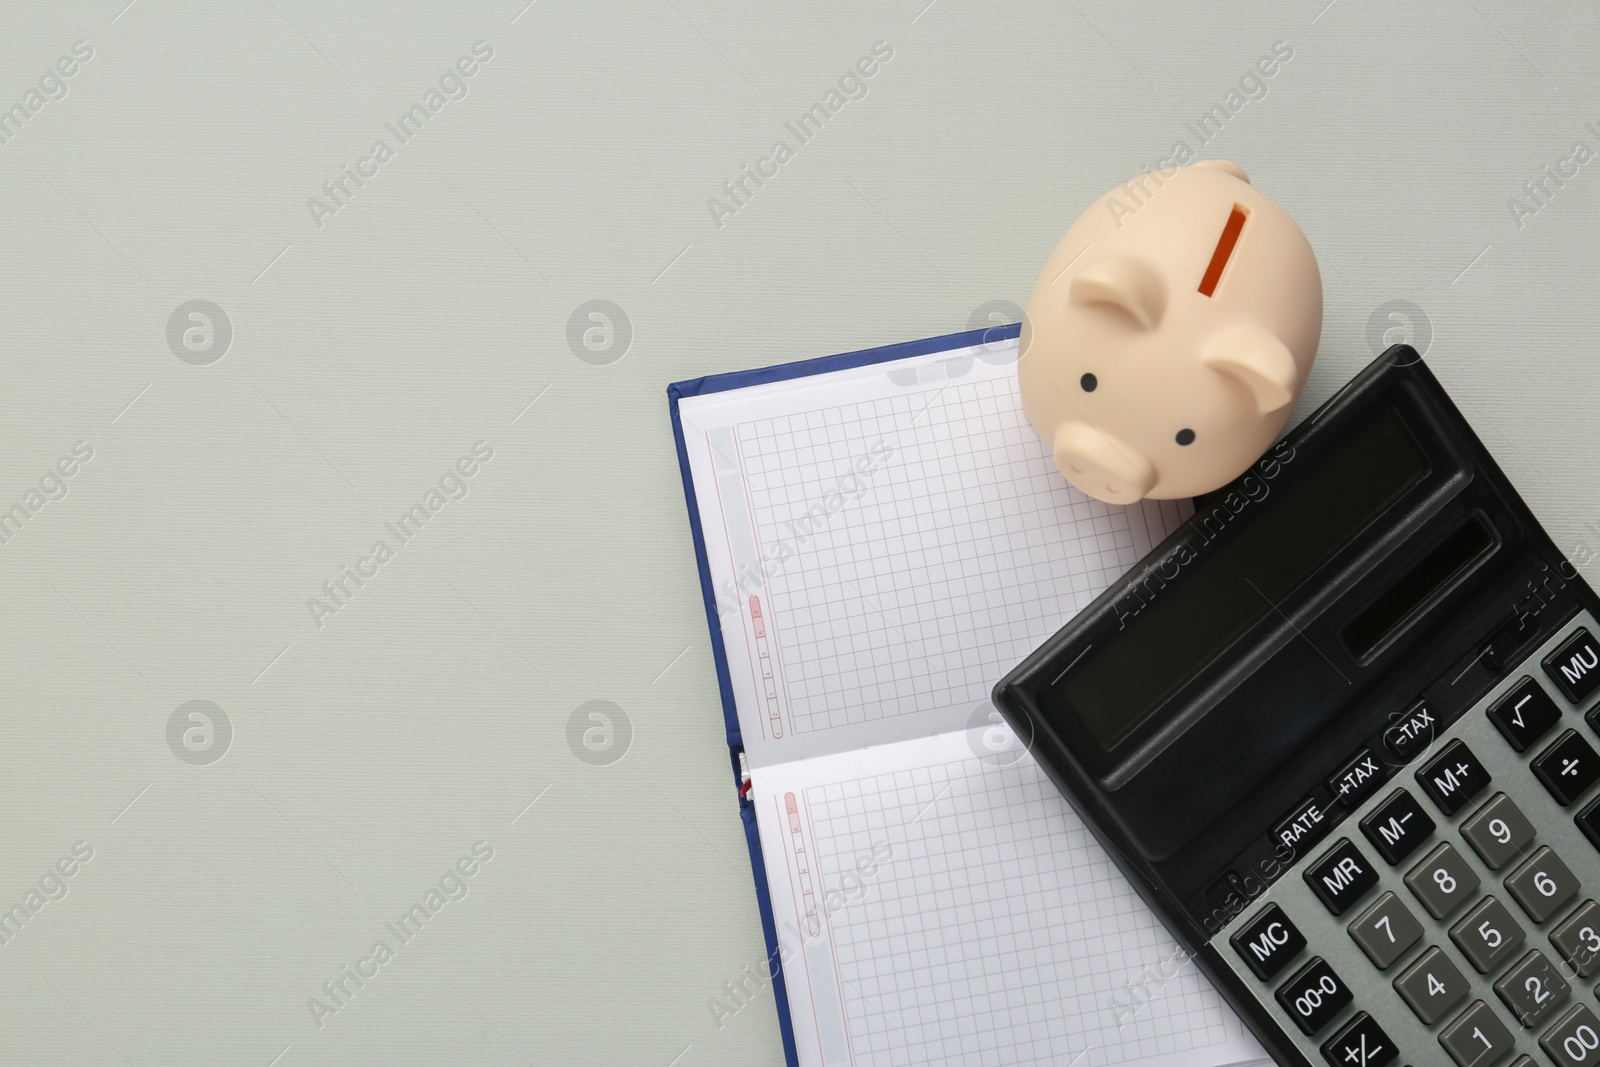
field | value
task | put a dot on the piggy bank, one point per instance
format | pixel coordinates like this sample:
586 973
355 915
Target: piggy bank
1170 334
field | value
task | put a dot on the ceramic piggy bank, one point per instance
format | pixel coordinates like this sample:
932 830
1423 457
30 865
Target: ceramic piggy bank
1170 334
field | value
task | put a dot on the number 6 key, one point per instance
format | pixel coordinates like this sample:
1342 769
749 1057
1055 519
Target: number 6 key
1542 885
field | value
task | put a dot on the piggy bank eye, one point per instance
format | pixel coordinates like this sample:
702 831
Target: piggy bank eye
1089 382
1185 437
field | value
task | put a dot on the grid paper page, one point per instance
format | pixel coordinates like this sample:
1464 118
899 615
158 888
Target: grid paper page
916 541
969 917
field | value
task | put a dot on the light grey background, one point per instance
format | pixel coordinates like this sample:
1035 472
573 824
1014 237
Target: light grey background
432 309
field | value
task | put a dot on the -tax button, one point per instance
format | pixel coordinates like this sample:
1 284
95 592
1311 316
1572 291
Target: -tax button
1341 877
1268 942
1412 733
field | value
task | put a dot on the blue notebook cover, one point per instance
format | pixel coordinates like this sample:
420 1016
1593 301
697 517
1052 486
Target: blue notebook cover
717 383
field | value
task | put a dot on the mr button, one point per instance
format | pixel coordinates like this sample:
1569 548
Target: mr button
1575 665
1341 877
1269 942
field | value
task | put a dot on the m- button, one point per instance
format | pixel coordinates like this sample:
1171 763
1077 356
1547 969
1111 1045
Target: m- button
1397 826
1412 733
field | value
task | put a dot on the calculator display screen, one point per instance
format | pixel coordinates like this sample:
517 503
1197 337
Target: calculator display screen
1297 529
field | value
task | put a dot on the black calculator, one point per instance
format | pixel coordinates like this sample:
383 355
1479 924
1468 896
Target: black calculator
1340 730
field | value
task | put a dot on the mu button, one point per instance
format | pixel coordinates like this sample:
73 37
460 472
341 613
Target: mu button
1575 665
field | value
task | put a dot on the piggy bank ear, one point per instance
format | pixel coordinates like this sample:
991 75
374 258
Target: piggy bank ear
1124 282
1225 165
1257 360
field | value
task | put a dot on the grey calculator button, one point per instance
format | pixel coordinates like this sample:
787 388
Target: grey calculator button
1574 1040
1386 931
1477 1038
1498 832
1578 939
1532 989
1542 885
1523 1061
1432 985
1443 881
1487 935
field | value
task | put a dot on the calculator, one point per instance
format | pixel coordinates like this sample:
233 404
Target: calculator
1340 731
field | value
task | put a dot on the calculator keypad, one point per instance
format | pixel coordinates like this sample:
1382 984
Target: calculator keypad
1442 881
1492 948
1498 832
1487 935
1386 931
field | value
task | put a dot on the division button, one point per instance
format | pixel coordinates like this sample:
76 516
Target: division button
1543 885
1386 931
1477 1038
1304 827
1578 939
1341 877
1568 767
1356 780
1412 733
1314 996
1453 777
1431 986
1574 1039
1397 826
1532 989
1268 942
1487 935
1498 832
1525 714
1362 1043
1443 881
1575 665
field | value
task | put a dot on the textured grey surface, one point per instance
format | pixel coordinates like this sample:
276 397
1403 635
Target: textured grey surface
369 353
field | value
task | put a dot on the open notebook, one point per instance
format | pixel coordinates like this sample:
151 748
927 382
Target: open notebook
881 536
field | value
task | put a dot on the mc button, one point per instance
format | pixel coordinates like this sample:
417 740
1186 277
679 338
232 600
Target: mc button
1269 942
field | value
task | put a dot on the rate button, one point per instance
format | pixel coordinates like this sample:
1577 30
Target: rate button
1304 827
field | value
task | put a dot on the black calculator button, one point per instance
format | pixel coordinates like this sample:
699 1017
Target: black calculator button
1487 935
1356 780
1314 996
1362 1043
1304 827
1574 1039
1578 939
1412 733
1588 820
1442 881
1268 942
1575 665
1532 989
1525 714
1386 931
1477 1038
1568 767
1498 832
1543 885
1397 826
1341 877
1453 777
1431 986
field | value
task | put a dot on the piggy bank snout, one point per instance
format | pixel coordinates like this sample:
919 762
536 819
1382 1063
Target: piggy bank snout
1102 465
